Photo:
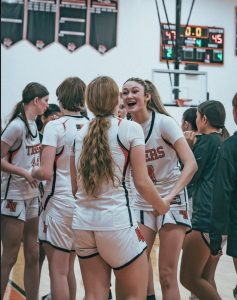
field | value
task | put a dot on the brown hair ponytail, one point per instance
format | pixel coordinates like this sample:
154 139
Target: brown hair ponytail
32 90
96 163
224 133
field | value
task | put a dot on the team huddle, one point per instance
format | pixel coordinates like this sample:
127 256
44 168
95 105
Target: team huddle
102 188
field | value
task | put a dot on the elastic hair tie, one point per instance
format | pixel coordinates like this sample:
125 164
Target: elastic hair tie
101 116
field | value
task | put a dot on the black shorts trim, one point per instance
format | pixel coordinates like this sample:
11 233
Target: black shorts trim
13 217
88 256
132 260
179 223
189 230
142 217
205 240
56 247
203 237
19 289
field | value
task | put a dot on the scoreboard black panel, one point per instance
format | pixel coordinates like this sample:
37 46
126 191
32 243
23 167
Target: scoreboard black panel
198 44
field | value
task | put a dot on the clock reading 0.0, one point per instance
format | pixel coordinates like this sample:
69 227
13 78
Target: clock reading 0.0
193 31
198 44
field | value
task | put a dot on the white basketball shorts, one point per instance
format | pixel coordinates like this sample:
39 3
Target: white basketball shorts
118 248
20 209
147 218
57 234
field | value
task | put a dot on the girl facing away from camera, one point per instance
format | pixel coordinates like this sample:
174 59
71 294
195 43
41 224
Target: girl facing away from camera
164 146
106 233
52 113
20 152
189 125
197 264
55 231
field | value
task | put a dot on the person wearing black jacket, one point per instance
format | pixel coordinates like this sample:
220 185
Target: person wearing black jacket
224 205
210 123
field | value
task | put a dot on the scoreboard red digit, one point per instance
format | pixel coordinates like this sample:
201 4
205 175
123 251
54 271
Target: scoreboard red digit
198 44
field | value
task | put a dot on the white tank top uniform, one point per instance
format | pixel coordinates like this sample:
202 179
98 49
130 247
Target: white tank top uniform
161 132
58 201
106 225
18 198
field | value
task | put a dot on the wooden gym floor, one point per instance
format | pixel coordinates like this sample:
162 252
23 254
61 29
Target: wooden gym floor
226 279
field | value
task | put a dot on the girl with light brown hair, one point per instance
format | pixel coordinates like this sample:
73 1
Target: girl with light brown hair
106 233
55 231
164 145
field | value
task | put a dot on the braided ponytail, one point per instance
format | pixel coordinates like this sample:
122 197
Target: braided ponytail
96 164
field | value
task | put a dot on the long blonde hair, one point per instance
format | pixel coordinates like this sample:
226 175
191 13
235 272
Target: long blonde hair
155 103
96 164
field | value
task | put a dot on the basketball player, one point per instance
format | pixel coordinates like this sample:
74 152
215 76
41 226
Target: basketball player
189 124
52 113
105 229
56 218
20 152
189 127
165 144
122 112
196 253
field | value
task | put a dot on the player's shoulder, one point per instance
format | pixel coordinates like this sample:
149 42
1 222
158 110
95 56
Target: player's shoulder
16 126
17 123
57 123
166 120
129 126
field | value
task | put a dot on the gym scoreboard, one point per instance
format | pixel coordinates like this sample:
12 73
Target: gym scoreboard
198 44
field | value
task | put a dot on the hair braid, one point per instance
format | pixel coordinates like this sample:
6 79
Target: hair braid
96 163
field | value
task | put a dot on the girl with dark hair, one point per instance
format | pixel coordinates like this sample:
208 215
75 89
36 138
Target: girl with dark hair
20 152
164 144
189 126
196 252
224 203
106 233
189 119
55 222
52 113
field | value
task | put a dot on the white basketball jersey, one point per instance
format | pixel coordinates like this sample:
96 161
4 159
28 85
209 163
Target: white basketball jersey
25 153
111 209
161 132
60 134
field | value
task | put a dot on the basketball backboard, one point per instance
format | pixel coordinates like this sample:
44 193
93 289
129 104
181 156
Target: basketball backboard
191 90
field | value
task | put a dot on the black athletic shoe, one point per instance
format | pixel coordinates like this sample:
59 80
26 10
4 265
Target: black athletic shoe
46 297
235 292
110 295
